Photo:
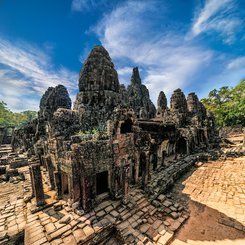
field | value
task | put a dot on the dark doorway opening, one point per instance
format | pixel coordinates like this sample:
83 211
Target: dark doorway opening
163 158
126 127
65 188
181 146
154 161
133 174
142 164
202 136
102 182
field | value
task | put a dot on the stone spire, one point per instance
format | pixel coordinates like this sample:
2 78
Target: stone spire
135 78
98 82
195 106
178 102
162 101
98 72
139 98
53 99
192 103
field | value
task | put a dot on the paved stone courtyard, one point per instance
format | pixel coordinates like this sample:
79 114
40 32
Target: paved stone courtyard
214 192
137 222
216 196
220 185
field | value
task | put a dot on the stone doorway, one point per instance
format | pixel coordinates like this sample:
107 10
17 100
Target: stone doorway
181 146
126 127
142 164
65 186
102 182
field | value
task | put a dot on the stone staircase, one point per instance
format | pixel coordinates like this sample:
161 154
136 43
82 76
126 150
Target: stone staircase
10 162
163 178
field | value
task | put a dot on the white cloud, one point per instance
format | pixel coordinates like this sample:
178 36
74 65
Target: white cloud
87 5
237 63
124 74
26 72
80 5
168 61
125 70
218 16
229 73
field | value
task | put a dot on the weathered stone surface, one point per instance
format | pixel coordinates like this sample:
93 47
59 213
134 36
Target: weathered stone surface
178 102
53 99
109 144
98 72
65 220
139 98
99 89
161 103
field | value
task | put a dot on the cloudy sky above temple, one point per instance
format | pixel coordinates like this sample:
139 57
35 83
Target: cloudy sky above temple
196 45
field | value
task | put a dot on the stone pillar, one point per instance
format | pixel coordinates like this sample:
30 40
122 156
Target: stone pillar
86 200
32 183
58 183
206 135
38 184
44 162
76 181
147 166
153 158
137 163
187 147
125 178
146 171
163 158
112 188
117 181
50 168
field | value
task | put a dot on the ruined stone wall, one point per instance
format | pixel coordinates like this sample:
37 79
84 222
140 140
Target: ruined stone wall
112 135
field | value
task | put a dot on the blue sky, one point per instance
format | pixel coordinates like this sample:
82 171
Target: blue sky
197 45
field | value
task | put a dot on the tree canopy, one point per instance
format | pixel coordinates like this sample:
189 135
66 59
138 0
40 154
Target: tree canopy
227 104
17 119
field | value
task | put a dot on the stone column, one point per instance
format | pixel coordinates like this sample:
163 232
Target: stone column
38 184
44 162
76 181
32 183
153 158
125 183
163 158
187 147
206 135
50 168
147 167
136 166
113 184
117 180
86 200
58 187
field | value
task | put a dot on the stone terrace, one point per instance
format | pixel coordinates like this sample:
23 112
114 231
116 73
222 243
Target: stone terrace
142 220
220 185
138 222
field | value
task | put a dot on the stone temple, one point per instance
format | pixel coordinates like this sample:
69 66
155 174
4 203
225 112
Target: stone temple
112 143
113 138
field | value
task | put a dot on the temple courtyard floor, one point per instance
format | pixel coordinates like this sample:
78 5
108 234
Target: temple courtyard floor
205 206
215 195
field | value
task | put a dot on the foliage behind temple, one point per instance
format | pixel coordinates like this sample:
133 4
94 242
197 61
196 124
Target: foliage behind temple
227 104
17 119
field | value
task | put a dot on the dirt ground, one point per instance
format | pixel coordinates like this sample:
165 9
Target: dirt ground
215 195
203 228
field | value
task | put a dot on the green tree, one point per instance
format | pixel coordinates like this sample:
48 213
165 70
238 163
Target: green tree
9 118
227 104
